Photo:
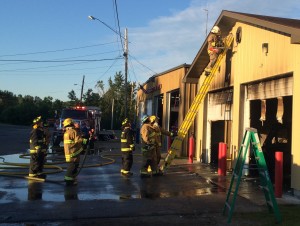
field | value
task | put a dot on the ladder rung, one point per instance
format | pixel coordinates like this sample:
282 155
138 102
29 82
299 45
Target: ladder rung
265 188
228 205
262 173
175 149
179 138
270 203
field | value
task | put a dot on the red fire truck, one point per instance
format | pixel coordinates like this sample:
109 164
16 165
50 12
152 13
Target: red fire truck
85 116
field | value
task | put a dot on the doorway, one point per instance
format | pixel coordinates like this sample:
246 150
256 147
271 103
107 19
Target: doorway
217 136
274 132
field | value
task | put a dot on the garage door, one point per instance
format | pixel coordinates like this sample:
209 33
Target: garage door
270 89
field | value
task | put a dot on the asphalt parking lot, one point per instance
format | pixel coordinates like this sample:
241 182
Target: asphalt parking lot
188 194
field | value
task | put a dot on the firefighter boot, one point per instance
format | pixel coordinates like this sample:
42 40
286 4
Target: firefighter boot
207 71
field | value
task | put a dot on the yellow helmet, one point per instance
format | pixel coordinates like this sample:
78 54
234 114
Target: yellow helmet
152 118
67 122
37 120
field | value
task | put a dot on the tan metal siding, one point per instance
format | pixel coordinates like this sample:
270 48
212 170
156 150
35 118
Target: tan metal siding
249 61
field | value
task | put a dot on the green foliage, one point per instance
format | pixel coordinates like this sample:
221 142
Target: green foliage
113 103
21 110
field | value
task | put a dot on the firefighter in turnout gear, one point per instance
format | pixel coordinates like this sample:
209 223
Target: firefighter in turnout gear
158 135
73 146
148 142
47 133
38 149
127 147
214 48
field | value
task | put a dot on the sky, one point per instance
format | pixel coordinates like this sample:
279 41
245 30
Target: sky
48 46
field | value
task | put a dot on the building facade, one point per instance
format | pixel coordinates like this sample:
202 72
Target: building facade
256 86
166 96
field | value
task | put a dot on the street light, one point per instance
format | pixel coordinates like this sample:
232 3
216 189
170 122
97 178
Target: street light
125 54
95 18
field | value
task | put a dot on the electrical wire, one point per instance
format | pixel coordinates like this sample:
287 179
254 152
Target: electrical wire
53 51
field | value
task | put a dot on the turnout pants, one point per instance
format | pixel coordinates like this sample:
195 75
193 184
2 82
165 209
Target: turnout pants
37 161
127 160
72 169
149 158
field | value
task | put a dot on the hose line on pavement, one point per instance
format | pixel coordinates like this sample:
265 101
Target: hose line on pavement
20 170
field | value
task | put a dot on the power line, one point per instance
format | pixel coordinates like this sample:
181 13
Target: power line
58 61
142 64
118 23
52 51
63 65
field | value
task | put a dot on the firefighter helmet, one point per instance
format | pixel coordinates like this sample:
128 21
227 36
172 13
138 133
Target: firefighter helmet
37 120
145 118
125 121
68 122
153 118
215 30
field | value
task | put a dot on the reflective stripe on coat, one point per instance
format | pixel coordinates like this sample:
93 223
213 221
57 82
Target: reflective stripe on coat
72 144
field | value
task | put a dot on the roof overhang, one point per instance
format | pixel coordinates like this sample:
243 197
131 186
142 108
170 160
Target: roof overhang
226 22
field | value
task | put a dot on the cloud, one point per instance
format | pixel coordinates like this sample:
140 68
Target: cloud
169 41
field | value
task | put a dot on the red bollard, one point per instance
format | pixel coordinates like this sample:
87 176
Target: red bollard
278 173
191 148
222 159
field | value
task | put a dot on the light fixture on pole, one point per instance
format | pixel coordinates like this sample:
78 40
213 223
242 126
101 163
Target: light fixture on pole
95 18
125 54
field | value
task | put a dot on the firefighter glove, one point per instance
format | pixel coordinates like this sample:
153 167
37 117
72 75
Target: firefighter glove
84 141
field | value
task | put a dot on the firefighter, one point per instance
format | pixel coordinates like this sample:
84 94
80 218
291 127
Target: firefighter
47 133
38 149
73 146
214 48
148 148
158 133
127 147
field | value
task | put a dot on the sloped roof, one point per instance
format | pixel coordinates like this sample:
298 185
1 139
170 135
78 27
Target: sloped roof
227 19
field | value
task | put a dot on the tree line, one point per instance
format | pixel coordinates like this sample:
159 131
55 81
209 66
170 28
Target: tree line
21 110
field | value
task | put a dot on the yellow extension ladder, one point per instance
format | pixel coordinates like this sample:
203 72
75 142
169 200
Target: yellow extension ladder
190 116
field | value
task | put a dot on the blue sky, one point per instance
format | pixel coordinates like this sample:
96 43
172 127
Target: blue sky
46 46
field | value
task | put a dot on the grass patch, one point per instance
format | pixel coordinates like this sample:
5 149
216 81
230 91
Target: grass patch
289 214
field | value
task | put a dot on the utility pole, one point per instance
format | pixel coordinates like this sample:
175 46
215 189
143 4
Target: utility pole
126 68
82 89
112 114
206 10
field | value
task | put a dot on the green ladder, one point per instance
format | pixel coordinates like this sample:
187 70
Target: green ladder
265 182
193 110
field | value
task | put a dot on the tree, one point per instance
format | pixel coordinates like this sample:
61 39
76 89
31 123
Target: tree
72 96
91 99
100 87
116 95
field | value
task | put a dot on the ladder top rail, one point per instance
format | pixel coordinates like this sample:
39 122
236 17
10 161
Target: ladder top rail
251 130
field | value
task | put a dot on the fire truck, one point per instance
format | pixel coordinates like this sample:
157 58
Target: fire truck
88 117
